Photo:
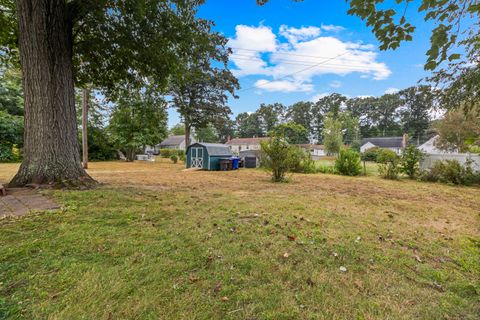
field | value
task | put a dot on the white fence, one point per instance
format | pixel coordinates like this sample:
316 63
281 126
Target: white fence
462 158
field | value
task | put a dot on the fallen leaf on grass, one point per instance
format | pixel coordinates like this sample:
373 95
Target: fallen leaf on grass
286 255
418 258
218 288
359 285
291 237
193 278
224 299
343 269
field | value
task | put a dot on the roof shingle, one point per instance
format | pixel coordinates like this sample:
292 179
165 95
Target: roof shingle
385 142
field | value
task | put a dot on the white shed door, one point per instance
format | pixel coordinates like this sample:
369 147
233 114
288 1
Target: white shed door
197 158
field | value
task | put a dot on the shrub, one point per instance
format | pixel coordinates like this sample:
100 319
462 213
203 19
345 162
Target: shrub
9 153
174 158
410 161
348 163
326 169
181 155
166 153
452 172
302 161
388 164
370 154
474 149
279 157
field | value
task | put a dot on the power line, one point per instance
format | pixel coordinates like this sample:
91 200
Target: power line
294 73
285 53
294 62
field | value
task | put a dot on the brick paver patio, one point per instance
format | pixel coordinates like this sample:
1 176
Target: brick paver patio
20 201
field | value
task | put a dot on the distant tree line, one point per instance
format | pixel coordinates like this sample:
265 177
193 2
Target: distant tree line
408 111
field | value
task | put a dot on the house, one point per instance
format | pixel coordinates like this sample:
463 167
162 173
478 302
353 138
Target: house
241 144
316 150
396 144
175 142
207 155
172 142
430 147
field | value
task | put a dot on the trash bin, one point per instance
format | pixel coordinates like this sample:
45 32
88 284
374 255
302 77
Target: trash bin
234 163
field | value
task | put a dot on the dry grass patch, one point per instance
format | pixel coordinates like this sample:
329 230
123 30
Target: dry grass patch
158 242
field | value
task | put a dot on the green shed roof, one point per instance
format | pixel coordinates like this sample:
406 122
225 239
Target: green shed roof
215 149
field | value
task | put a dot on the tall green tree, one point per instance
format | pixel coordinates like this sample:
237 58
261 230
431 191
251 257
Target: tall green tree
458 131
108 44
363 108
11 115
417 103
225 128
178 129
301 113
385 115
11 95
139 119
270 115
331 104
200 94
350 129
207 134
332 135
294 133
248 125
11 133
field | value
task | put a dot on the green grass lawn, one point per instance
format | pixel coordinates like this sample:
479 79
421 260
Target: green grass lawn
157 242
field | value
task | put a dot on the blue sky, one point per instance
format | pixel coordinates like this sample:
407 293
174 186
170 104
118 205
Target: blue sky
290 51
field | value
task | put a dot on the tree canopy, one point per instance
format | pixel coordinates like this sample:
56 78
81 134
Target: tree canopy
138 120
119 45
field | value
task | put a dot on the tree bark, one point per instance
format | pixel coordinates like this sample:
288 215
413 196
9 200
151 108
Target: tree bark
86 95
51 150
187 134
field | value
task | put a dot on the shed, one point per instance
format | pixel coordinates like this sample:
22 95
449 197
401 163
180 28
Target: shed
207 155
251 158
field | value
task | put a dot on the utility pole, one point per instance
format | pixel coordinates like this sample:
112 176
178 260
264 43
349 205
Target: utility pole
85 97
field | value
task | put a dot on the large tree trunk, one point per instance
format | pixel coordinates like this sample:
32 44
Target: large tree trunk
187 134
51 150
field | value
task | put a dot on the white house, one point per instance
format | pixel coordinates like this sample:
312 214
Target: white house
172 142
396 144
241 144
316 150
430 147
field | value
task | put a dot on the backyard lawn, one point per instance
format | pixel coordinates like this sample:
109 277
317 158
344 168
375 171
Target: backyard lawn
157 242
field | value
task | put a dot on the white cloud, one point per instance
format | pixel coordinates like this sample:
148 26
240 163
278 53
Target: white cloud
331 27
283 86
253 41
391 90
305 55
293 35
335 84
